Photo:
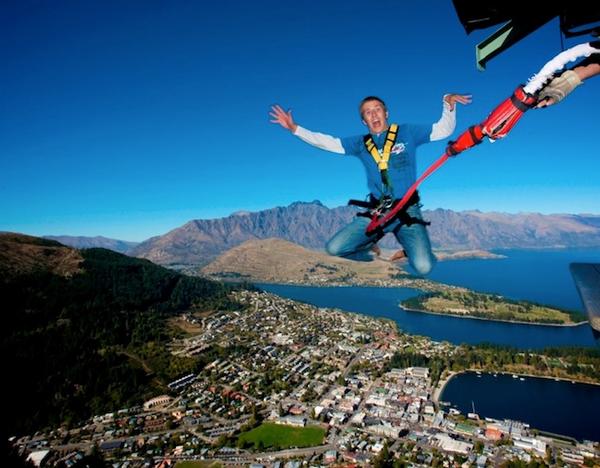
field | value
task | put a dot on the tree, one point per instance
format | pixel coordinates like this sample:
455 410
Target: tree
384 458
242 444
309 395
222 440
255 418
400 463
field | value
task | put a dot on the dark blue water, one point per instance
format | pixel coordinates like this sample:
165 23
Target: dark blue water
383 302
554 406
538 276
534 275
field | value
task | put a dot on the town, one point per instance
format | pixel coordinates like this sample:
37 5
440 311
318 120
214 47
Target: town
287 384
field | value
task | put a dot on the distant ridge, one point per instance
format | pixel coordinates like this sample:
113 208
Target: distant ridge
83 242
200 241
479 230
21 254
311 224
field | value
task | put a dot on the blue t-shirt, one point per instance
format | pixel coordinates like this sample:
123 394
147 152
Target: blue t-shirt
402 165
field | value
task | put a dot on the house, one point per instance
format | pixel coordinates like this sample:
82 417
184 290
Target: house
330 456
157 401
37 458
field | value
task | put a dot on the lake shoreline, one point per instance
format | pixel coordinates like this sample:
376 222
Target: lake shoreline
519 322
384 302
566 408
442 384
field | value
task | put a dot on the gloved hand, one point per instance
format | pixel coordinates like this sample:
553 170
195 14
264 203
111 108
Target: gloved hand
559 88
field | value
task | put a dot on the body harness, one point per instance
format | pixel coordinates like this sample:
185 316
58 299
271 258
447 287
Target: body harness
497 125
379 207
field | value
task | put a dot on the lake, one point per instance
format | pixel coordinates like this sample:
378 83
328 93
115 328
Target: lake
535 275
560 407
538 276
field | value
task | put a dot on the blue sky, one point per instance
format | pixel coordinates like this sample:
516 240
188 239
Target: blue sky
128 119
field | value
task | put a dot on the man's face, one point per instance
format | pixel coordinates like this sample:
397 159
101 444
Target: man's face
374 116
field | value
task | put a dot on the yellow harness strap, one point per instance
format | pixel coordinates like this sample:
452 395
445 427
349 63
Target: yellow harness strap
382 159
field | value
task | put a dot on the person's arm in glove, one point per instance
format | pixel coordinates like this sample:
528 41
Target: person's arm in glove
562 85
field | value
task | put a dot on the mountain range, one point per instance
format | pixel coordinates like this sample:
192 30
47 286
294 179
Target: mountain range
83 242
311 224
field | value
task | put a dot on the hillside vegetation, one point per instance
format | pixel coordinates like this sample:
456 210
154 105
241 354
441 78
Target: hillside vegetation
87 339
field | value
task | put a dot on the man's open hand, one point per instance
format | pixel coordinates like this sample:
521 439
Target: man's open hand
283 118
452 99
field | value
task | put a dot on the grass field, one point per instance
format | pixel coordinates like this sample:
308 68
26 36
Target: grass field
277 435
197 464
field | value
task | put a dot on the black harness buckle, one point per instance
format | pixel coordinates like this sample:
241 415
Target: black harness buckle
378 207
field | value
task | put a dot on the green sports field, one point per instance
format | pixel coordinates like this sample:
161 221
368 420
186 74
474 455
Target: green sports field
280 436
197 464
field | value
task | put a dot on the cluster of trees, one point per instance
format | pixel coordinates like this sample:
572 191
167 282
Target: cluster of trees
68 342
406 455
436 364
574 362
324 267
234 439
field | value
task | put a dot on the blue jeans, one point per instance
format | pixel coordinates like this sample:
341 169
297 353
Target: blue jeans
351 241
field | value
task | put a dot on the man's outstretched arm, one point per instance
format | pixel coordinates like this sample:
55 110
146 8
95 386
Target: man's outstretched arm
320 140
444 127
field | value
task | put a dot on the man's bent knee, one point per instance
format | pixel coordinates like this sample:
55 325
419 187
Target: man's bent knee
339 249
335 248
423 266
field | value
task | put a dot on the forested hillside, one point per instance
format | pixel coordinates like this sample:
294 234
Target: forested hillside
91 339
